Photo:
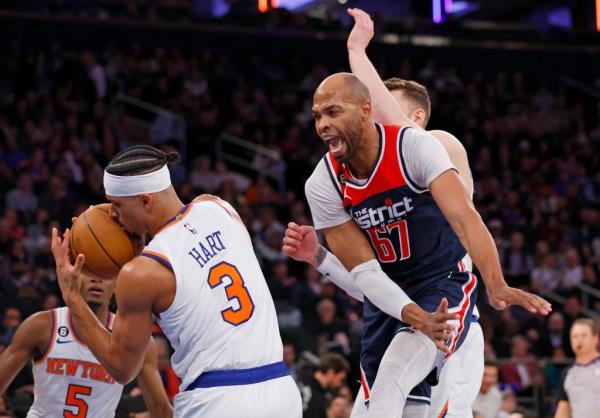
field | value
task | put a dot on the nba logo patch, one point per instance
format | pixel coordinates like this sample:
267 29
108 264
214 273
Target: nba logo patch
190 228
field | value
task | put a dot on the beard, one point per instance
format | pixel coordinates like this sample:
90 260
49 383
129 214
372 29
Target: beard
352 138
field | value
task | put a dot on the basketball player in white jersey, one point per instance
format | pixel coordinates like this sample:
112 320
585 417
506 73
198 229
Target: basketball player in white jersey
201 279
68 380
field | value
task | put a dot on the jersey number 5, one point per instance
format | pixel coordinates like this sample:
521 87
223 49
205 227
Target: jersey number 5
73 400
381 237
235 290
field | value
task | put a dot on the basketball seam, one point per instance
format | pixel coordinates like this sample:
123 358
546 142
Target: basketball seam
98 241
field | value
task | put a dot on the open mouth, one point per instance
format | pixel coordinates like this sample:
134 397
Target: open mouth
335 144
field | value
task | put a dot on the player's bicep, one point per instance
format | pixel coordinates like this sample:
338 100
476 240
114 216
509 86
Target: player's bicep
349 244
132 327
451 197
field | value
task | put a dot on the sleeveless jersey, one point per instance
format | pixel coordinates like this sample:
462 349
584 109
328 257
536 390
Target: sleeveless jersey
408 232
68 380
222 316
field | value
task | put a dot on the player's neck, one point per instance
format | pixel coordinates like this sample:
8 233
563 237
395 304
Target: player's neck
166 209
101 312
365 157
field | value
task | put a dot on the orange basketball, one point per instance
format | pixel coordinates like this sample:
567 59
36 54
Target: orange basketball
105 245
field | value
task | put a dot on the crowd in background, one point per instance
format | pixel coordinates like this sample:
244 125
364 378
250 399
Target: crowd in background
532 149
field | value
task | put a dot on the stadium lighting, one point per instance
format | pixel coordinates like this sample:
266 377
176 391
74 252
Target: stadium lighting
437 10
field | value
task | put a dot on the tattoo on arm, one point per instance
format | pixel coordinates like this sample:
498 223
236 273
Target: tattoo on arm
320 256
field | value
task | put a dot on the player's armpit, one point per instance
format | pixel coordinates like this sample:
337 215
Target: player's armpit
152 386
30 339
563 410
349 244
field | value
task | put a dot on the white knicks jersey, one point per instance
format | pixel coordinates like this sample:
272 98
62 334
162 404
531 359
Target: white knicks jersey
222 316
68 380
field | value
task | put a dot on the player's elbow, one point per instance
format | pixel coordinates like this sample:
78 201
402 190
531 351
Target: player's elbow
123 375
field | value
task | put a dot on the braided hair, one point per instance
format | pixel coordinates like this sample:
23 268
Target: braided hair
140 159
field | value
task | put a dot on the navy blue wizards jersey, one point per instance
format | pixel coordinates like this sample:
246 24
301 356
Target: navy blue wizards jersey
407 230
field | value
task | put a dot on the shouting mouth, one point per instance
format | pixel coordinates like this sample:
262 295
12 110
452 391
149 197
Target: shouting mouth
335 144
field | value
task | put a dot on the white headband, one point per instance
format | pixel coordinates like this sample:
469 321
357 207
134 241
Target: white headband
126 186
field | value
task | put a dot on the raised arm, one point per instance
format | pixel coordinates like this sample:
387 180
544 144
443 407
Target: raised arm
30 339
152 386
385 108
122 351
451 197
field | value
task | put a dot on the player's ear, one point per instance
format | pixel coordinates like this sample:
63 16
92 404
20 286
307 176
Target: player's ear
365 109
419 117
147 200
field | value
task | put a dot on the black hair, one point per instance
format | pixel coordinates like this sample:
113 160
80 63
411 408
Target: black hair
140 159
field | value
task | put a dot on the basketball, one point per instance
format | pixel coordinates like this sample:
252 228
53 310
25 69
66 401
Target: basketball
105 245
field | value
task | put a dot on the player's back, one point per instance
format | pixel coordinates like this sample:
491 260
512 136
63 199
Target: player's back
68 380
222 316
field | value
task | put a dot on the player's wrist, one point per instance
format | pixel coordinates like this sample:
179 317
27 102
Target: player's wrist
414 315
319 256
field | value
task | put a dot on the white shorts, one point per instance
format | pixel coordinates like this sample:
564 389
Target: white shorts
460 379
273 398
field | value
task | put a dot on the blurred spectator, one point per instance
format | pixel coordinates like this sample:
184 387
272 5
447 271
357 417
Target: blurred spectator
11 318
516 261
489 400
555 336
332 331
545 276
329 376
340 407
572 273
523 370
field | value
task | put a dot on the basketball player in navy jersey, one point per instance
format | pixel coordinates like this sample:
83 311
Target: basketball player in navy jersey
400 188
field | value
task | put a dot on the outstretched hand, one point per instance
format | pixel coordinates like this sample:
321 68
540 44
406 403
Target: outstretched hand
300 242
503 296
362 32
437 326
69 274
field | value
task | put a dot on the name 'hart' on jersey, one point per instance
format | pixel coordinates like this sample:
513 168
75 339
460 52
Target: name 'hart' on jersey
406 229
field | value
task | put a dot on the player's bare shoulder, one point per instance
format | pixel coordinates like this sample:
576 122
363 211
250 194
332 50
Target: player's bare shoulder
36 331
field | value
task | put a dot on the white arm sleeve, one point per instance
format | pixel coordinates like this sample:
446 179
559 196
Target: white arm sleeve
380 289
337 273
324 199
424 157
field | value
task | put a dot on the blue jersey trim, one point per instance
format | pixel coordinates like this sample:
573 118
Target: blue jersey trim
240 377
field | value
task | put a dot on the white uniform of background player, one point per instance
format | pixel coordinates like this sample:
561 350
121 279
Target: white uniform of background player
222 321
460 379
68 380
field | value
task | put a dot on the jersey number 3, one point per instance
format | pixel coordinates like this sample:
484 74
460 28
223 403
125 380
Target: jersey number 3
73 400
381 237
236 290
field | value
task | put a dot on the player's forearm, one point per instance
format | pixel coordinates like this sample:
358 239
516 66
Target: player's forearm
99 340
385 108
329 265
480 245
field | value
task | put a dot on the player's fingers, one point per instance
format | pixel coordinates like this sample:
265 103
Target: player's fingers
441 345
293 234
79 262
305 229
291 241
443 306
289 250
55 242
